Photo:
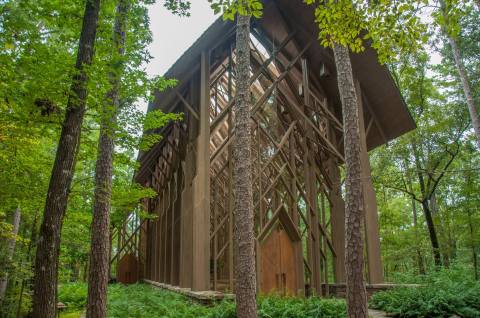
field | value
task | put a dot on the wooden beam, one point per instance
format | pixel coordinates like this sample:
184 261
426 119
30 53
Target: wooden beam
201 211
372 235
187 105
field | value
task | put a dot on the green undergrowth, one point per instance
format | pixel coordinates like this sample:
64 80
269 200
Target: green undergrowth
441 294
144 301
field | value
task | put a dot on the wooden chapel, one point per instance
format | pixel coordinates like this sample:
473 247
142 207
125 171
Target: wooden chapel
297 153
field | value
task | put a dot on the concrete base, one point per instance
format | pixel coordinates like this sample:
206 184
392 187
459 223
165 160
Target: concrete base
207 297
339 290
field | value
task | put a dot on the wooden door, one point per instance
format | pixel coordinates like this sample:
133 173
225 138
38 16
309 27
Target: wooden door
127 271
278 274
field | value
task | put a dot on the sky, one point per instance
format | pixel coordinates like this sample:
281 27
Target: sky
173 35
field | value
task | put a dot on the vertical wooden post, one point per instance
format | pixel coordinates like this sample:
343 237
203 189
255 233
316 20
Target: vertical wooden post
325 247
155 240
163 236
201 211
337 215
176 227
186 243
372 235
311 193
142 251
215 203
297 246
337 220
159 250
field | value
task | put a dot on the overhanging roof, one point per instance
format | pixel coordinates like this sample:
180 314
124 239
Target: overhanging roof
381 96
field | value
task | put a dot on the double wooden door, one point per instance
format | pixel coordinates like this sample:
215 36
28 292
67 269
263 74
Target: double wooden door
278 274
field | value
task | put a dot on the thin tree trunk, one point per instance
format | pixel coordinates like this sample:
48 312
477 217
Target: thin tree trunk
432 233
474 247
472 108
354 213
421 266
10 250
426 208
48 248
31 244
463 76
245 289
100 242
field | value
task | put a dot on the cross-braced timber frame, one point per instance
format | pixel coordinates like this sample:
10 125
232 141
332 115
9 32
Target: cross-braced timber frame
297 154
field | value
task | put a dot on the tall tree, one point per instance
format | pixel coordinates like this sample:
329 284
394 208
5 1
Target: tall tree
448 28
244 235
344 25
48 248
354 207
100 242
245 289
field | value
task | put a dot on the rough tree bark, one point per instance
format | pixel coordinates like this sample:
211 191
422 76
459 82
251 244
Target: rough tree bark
432 232
421 266
10 250
28 258
472 108
100 241
48 248
245 289
354 212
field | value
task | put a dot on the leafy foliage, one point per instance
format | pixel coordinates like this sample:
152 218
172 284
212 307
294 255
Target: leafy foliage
178 7
146 301
231 7
73 295
442 294
355 24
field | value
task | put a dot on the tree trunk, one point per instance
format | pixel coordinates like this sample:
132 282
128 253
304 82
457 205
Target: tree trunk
245 289
354 213
421 267
432 233
100 242
466 89
463 77
474 246
48 248
10 250
426 208
31 245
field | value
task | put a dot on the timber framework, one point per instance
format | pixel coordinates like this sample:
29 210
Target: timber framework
297 152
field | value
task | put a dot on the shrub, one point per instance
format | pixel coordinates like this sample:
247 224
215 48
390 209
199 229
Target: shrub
442 294
142 301
73 295
287 307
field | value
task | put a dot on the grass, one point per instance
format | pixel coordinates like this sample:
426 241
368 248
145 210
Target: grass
142 301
